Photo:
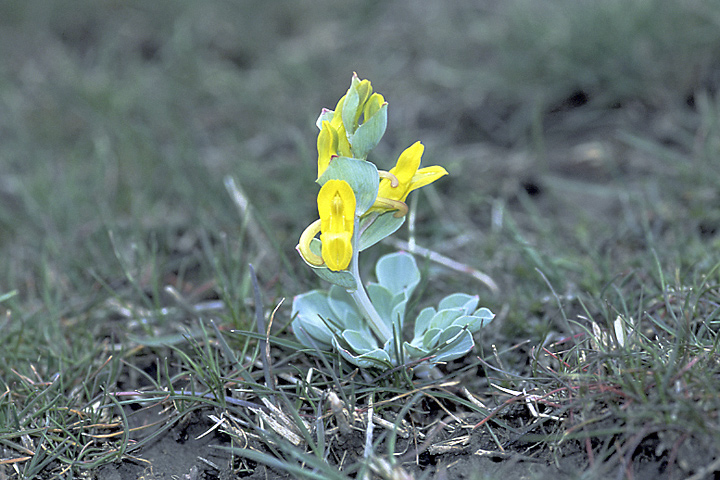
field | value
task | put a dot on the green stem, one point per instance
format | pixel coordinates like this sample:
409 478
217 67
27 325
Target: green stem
378 326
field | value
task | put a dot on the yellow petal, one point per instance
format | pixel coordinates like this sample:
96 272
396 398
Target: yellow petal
426 176
337 250
327 145
343 145
402 179
373 105
303 246
336 206
337 116
404 171
364 90
408 163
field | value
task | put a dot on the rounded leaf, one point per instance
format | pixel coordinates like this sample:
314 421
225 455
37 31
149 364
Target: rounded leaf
376 227
444 318
382 300
375 358
398 272
430 338
466 302
368 135
310 311
414 352
422 322
475 322
360 174
457 347
359 343
344 308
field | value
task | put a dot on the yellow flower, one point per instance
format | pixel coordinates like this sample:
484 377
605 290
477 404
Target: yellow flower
327 144
332 139
336 206
403 178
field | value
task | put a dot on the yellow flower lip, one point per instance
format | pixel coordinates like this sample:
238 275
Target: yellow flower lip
336 206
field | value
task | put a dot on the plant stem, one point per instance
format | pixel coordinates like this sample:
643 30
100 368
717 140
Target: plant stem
378 326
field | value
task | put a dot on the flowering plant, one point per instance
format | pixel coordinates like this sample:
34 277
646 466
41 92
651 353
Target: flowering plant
358 206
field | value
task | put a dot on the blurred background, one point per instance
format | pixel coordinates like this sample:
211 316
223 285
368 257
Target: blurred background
151 150
120 120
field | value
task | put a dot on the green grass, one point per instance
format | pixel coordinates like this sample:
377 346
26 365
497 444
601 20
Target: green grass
125 284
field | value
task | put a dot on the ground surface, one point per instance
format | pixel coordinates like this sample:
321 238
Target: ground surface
582 143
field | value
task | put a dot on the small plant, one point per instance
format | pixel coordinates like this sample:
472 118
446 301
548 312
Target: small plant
359 206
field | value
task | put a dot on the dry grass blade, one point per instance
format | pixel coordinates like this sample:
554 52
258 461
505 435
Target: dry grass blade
448 262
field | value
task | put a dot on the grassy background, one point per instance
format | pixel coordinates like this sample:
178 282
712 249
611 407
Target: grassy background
582 139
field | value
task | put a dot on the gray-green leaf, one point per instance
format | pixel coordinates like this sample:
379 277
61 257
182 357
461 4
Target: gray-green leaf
382 226
309 310
398 272
360 174
459 300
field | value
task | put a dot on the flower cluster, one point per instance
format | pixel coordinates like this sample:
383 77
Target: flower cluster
353 191
358 206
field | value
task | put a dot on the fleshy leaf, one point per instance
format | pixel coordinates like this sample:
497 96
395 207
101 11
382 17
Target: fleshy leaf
471 322
361 175
414 352
342 278
455 348
430 337
444 318
382 226
325 115
350 109
382 300
422 322
368 135
398 311
398 272
306 339
449 334
466 302
309 310
486 315
343 306
375 358
359 343
475 322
